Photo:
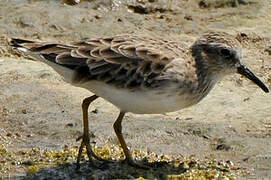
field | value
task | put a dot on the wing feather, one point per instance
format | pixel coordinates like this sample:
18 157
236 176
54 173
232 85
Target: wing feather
126 61
107 52
67 59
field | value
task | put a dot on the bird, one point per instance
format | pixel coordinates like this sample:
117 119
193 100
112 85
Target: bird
141 74
71 2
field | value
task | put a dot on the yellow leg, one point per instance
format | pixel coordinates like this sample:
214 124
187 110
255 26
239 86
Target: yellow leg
118 130
85 137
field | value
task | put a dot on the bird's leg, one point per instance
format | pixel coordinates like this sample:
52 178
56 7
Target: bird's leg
118 130
85 137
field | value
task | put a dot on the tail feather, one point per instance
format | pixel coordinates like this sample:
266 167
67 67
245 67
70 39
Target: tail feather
58 56
56 53
18 42
40 47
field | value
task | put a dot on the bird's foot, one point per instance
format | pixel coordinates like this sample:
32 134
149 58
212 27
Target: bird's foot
86 142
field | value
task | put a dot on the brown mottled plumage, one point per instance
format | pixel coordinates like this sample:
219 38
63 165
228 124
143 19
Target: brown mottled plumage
142 75
127 61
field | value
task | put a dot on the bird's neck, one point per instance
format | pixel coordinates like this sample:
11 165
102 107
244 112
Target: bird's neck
204 70
207 78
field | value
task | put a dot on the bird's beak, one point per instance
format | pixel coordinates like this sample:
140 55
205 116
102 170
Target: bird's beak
243 70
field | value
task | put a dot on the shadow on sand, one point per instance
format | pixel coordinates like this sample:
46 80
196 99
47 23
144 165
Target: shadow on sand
108 170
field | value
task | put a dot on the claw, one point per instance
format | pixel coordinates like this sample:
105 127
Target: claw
90 153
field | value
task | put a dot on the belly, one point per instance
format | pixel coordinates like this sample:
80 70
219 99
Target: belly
141 101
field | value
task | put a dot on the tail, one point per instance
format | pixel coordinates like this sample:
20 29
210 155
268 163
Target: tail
58 56
39 50
17 42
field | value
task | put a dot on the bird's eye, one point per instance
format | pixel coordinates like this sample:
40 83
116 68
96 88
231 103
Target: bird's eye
226 52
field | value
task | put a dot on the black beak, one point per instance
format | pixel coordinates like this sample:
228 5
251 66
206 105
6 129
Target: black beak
247 73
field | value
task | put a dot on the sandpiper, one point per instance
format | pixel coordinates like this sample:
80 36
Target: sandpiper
141 75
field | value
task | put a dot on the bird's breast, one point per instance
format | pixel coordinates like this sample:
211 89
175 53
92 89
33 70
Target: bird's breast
141 101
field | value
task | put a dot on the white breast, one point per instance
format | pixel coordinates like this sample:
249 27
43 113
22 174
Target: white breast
139 102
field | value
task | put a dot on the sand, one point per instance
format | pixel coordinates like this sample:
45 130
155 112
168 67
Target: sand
38 109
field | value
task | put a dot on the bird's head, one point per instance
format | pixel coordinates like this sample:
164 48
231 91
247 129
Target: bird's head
220 54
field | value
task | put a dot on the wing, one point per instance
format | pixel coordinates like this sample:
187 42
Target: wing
125 61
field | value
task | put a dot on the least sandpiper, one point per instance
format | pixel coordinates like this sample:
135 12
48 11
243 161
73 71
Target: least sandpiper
141 75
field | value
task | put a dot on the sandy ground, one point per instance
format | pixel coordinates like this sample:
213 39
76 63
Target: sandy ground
38 109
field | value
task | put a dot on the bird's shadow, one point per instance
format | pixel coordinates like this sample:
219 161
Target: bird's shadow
95 169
